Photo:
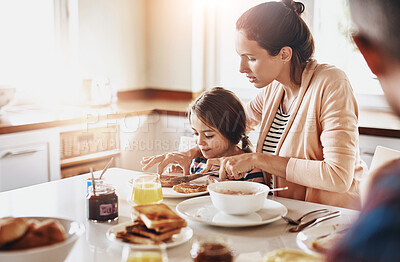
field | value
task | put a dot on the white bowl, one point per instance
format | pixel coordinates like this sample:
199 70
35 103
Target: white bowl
250 200
54 253
6 95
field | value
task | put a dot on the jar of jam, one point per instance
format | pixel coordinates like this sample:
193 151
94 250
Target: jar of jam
211 250
102 203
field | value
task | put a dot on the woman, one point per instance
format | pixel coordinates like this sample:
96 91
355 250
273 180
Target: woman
307 112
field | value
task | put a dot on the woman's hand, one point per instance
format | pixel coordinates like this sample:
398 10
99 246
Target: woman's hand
182 159
233 167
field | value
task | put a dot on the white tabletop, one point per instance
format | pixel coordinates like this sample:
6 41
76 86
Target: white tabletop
66 198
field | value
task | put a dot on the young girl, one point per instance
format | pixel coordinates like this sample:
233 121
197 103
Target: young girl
218 121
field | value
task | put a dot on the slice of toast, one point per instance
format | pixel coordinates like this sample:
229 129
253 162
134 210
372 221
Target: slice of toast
166 180
150 233
188 188
134 239
159 217
159 230
325 243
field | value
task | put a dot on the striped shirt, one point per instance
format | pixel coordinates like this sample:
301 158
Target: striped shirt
274 135
198 164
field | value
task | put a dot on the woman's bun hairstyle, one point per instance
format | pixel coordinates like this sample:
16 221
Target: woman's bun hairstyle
297 7
274 25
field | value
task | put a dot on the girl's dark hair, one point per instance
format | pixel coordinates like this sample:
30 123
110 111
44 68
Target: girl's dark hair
221 109
274 25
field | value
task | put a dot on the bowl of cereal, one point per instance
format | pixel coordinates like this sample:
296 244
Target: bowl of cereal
238 197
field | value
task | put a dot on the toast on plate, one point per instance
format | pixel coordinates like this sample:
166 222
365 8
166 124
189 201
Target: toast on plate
325 243
166 180
155 223
159 217
135 239
188 188
142 230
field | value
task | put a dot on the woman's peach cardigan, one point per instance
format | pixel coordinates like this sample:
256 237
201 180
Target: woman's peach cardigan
321 137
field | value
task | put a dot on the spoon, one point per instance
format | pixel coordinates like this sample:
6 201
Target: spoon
279 189
107 166
297 221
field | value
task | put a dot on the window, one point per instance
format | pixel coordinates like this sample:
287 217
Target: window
331 27
330 24
34 48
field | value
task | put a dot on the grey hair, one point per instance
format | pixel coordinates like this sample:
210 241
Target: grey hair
379 22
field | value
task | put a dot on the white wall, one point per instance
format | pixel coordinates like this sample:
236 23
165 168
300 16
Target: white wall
137 43
169 46
112 43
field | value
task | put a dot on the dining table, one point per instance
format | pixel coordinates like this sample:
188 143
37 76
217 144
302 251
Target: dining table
66 198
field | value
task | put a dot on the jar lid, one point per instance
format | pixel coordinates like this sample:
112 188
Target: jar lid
102 189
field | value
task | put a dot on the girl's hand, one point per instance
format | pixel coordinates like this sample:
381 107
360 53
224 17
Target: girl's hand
182 159
174 169
233 167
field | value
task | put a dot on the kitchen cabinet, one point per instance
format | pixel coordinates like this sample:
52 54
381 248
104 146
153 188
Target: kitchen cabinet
89 145
29 158
369 143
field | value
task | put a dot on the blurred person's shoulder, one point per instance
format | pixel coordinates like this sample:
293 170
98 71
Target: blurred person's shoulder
384 185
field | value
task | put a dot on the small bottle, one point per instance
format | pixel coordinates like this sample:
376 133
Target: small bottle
211 250
102 204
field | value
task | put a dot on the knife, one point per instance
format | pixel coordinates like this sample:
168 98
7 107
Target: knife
183 179
315 221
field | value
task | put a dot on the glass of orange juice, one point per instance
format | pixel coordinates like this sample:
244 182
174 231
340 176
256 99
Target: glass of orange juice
156 254
147 190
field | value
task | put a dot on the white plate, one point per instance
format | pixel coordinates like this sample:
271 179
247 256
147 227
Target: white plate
178 239
168 192
305 238
202 210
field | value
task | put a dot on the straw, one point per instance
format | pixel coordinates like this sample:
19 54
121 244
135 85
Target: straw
107 166
93 184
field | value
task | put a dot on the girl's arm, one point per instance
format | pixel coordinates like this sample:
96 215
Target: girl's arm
183 159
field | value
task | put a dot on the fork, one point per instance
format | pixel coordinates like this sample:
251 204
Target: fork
297 222
315 221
